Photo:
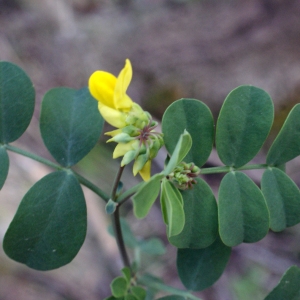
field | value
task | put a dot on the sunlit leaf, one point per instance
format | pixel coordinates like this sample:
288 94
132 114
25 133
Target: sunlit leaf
183 146
172 208
146 196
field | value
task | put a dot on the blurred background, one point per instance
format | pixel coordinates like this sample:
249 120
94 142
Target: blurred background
178 48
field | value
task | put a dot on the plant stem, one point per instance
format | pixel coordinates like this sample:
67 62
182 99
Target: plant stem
34 157
49 163
117 224
226 169
119 237
127 194
116 183
91 186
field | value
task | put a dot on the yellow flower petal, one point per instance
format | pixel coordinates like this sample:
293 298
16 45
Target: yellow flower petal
102 87
112 116
122 148
146 171
121 100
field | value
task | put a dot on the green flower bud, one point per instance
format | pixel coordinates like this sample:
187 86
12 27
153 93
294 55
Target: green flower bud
121 138
183 176
128 157
139 163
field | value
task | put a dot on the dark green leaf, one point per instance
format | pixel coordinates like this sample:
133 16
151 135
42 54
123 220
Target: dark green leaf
172 208
200 268
119 287
201 218
146 196
183 146
283 199
243 213
243 125
196 118
70 124
4 166
287 144
49 227
16 102
288 287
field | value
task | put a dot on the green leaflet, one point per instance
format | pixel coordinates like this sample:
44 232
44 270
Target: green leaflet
195 117
49 227
172 208
201 218
183 146
70 124
16 102
4 163
287 143
288 287
243 213
243 125
146 196
198 269
282 197
119 287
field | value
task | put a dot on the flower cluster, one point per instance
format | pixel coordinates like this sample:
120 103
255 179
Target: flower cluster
135 135
183 176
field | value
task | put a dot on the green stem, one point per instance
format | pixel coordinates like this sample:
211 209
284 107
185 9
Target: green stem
49 163
91 186
34 157
159 286
226 169
127 194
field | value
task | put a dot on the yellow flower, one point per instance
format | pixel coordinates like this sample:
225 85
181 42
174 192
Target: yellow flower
110 92
135 134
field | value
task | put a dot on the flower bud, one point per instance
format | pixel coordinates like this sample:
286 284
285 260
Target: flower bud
183 176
